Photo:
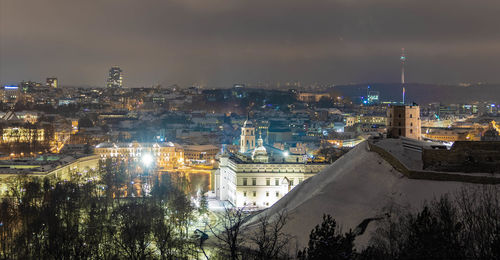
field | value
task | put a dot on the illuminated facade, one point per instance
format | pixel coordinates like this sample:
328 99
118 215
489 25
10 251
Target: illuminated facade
22 134
10 94
247 138
166 155
52 82
115 78
51 166
260 176
404 121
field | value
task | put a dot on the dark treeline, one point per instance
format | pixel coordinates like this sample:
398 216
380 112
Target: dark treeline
463 226
89 220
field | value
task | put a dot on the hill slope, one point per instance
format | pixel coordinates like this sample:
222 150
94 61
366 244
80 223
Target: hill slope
354 188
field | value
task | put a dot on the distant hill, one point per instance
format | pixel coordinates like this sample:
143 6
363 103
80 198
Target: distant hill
425 93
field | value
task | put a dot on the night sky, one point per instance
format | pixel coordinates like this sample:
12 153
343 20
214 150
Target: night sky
221 42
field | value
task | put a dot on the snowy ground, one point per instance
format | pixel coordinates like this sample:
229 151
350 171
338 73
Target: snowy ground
357 186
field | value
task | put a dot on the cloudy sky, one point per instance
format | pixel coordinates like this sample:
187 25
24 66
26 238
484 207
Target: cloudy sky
221 42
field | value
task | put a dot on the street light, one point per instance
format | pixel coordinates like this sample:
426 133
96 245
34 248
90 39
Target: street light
147 159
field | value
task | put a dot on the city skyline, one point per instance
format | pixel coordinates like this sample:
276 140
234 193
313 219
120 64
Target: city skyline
222 43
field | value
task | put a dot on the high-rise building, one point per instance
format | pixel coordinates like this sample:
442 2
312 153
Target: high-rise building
373 97
52 82
10 94
115 78
404 121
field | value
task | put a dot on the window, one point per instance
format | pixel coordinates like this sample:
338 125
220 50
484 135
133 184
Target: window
268 182
291 182
399 115
300 180
267 193
277 194
254 181
245 182
255 194
276 182
411 131
411 124
411 116
254 203
244 194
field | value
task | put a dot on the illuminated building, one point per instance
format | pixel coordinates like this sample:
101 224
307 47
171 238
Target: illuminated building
259 177
22 134
52 82
312 97
404 121
373 97
373 120
452 135
166 154
200 153
247 138
10 94
115 78
54 167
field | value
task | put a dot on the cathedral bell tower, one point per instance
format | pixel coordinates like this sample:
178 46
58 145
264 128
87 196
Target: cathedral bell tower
247 138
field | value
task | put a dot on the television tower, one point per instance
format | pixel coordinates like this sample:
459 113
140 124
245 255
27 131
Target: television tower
403 61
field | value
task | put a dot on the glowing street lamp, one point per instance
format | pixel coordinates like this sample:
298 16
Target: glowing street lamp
147 159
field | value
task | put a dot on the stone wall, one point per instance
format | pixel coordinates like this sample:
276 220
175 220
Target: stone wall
464 156
432 175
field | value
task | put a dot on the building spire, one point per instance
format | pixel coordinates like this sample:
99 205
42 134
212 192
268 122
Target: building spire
403 61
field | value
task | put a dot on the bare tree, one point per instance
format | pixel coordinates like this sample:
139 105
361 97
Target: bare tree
271 241
229 231
479 212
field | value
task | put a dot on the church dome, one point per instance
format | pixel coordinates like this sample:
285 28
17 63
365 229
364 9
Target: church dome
261 150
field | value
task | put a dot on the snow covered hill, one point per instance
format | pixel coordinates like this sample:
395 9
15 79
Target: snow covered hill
356 187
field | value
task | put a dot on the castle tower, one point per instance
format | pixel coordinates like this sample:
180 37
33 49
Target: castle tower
247 138
404 121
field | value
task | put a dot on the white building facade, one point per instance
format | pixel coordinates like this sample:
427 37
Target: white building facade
261 176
